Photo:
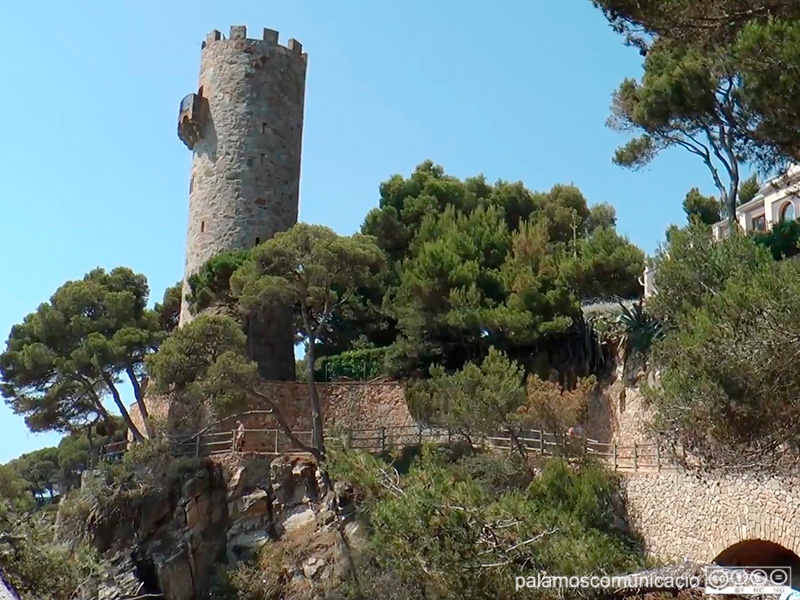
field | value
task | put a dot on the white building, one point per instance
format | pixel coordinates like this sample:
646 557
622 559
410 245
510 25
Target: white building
777 201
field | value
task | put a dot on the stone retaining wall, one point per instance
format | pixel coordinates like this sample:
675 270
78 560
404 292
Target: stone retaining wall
351 405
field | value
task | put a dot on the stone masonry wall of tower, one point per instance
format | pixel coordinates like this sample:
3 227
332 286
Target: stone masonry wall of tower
244 126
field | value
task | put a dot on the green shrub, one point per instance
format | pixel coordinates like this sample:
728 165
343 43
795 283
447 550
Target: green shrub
363 364
73 513
781 240
465 529
37 568
497 472
247 581
150 457
212 283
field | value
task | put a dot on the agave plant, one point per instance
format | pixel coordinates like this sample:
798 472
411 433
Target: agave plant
638 330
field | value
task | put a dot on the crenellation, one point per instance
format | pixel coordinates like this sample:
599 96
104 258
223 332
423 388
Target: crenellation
269 41
270 37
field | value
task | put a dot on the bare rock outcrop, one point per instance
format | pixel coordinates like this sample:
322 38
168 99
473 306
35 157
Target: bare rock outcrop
171 541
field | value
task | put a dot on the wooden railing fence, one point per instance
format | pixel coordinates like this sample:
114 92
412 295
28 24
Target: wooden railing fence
272 442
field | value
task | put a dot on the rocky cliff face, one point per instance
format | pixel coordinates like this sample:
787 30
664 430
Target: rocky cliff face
618 411
171 541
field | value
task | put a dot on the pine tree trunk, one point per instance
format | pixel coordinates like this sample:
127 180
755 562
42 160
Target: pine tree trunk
316 412
138 392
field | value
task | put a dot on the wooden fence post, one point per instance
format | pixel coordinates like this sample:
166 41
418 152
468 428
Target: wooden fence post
541 442
420 435
449 436
233 441
635 457
614 449
197 447
658 458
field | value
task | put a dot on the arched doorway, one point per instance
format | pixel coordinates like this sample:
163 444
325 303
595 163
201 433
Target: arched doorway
787 212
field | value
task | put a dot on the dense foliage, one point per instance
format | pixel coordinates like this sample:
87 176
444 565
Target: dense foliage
37 568
465 526
472 265
477 400
758 42
362 363
463 265
709 210
701 208
30 488
68 356
211 283
782 240
496 397
728 389
169 309
15 494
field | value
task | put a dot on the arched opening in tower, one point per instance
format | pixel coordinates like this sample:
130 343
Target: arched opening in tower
761 553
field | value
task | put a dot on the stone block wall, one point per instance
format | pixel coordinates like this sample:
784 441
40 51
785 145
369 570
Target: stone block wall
245 180
347 405
617 412
246 153
681 516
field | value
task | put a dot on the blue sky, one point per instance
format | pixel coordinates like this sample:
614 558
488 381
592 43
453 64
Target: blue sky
92 172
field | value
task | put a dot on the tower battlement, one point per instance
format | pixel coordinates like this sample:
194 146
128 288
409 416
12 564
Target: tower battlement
268 41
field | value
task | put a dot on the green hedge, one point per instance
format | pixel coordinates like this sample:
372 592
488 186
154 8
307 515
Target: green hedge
361 365
781 240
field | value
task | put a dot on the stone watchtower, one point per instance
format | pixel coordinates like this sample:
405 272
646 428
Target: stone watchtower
244 127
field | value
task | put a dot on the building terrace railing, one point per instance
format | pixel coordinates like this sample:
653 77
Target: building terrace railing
273 442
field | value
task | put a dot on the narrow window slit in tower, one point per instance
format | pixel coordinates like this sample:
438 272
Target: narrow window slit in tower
202 226
263 128
249 162
258 241
263 158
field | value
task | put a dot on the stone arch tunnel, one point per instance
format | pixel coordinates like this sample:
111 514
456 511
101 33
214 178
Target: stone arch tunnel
757 553
761 553
730 520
